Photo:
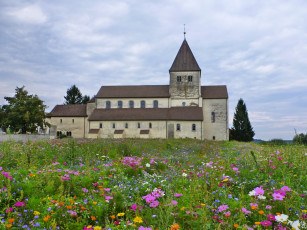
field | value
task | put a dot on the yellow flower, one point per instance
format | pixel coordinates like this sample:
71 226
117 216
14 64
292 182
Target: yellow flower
257 223
97 228
121 214
138 219
36 213
94 203
225 180
182 208
89 227
203 204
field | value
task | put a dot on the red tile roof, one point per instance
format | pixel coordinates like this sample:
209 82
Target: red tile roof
214 92
188 113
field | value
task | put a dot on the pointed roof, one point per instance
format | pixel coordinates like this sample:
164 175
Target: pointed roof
185 60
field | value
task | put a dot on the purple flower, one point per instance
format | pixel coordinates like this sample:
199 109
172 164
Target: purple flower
259 191
246 211
285 189
19 204
266 223
177 195
277 196
154 204
174 202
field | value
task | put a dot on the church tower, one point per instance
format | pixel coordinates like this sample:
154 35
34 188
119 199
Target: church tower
185 84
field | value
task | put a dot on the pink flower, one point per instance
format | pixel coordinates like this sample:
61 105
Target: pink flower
277 196
174 202
177 195
259 191
266 223
268 207
223 208
154 204
254 204
285 188
19 204
109 197
246 211
271 217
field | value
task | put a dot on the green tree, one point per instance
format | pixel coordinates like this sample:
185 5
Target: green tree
23 112
300 139
74 96
242 129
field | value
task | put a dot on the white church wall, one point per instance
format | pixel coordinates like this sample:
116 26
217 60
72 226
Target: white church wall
217 129
162 102
76 125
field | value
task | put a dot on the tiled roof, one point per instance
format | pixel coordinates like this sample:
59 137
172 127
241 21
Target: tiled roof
214 92
77 110
141 91
185 60
190 113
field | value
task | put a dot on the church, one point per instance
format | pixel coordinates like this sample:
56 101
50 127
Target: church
182 109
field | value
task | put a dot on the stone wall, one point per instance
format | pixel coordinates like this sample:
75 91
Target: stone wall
101 102
23 137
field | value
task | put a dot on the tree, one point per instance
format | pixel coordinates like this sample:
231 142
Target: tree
23 112
242 129
74 96
300 139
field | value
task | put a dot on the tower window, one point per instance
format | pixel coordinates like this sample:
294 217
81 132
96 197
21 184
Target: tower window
155 104
126 125
119 104
178 127
108 104
178 78
193 127
100 125
212 117
143 104
131 104
190 78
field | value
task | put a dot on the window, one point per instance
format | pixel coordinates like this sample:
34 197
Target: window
68 134
213 137
131 104
100 125
73 121
126 125
183 103
190 78
178 127
178 78
113 125
150 125
61 121
139 125
212 117
108 104
155 104
58 133
119 104
193 127
143 104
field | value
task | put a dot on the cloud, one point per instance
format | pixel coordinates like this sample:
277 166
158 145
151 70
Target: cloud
31 14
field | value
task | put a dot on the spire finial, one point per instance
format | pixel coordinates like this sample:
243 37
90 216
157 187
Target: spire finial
184 31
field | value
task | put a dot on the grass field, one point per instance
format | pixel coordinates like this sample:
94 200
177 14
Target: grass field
152 184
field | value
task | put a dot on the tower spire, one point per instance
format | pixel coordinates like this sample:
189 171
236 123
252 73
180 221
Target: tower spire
184 31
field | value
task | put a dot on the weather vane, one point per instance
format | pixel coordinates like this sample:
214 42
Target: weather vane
184 31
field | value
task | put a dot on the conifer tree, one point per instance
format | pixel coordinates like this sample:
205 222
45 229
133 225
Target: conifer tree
242 129
74 96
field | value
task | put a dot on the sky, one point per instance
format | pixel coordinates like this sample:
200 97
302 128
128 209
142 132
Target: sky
258 48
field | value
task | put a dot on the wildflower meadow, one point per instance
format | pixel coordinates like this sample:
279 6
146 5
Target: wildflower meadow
152 184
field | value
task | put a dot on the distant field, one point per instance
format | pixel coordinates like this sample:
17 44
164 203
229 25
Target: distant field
152 184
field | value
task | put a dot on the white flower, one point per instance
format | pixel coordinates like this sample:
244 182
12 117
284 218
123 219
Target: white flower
184 174
252 193
147 165
261 197
295 224
281 218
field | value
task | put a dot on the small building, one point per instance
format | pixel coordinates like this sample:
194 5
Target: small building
182 109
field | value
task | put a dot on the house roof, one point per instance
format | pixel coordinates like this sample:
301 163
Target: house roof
190 113
141 91
214 92
185 60
77 110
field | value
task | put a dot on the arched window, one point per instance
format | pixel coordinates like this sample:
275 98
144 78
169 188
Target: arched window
139 125
143 104
119 104
150 125
178 127
131 104
155 104
193 127
126 125
212 117
113 125
183 103
108 104
100 125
